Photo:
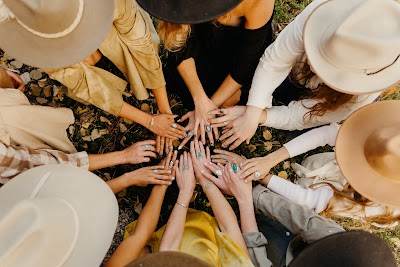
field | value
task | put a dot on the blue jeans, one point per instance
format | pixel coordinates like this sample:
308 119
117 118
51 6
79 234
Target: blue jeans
278 237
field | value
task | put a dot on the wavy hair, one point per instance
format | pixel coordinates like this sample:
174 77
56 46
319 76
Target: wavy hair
172 35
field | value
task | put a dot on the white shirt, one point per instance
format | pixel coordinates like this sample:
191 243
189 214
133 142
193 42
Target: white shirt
275 65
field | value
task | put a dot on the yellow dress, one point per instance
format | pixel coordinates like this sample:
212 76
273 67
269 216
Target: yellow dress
203 239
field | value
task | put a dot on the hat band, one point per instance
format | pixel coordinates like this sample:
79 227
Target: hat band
6 14
375 72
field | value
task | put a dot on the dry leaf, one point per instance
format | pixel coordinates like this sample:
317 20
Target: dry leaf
35 90
173 102
251 147
127 94
85 146
95 134
41 101
175 143
35 74
107 176
268 146
71 130
87 138
127 121
208 204
47 91
83 111
56 89
396 241
104 131
193 196
286 165
145 107
83 131
16 64
42 82
267 135
122 128
283 174
123 139
25 77
104 119
138 206
86 125
122 193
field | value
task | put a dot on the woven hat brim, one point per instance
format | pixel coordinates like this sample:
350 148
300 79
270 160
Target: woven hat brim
187 11
342 80
61 52
91 198
350 152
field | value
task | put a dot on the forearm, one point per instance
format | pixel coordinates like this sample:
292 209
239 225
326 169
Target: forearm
224 214
277 156
134 114
227 89
247 216
106 160
161 97
173 233
187 70
132 247
118 184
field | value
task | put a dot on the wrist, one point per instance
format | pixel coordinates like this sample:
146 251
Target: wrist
263 116
245 200
184 197
266 179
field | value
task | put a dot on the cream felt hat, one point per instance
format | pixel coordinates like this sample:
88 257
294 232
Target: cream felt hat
56 215
368 151
354 45
53 33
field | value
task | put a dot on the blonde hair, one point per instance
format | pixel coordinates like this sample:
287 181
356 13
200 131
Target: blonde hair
356 204
173 36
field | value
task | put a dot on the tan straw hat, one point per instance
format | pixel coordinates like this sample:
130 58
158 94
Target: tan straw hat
354 45
53 33
56 215
368 151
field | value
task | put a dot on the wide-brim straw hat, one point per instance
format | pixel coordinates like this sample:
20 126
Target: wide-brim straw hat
355 249
354 46
168 259
368 151
56 215
187 11
53 33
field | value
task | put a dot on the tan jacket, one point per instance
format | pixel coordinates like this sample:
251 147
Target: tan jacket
132 45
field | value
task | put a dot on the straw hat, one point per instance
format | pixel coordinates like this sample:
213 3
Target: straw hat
168 259
354 45
56 215
187 11
355 248
53 33
368 151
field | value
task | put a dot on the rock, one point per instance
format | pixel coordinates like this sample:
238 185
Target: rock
42 82
47 91
25 77
16 64
35 74
41 100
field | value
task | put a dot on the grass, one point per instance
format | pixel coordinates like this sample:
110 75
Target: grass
89 119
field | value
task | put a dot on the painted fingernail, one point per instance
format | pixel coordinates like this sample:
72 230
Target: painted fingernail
179 147
212 144
161 154
175 115
173 178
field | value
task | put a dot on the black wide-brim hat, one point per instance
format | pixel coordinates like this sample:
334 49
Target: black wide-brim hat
354 248
187 11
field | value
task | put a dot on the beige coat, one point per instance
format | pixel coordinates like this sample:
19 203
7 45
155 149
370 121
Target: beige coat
36 127
132 45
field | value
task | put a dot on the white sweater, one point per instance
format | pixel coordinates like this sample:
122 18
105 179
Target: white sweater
275 65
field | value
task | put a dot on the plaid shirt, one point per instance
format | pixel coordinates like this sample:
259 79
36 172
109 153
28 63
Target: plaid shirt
16 159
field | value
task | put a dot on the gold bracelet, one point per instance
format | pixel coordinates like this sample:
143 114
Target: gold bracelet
151 122
182 205
209 185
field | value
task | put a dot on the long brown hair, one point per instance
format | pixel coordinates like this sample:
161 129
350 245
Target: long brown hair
173 36
356 203
328 98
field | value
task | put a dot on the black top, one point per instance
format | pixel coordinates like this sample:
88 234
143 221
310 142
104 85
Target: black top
218 50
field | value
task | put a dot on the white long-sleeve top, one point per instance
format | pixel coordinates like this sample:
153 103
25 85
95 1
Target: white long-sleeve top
275 65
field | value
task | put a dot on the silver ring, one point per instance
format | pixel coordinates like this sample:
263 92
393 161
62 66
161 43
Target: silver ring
189 134
257 174
218 172
185 167
229 132
171 164
224 156
155 171
146 146
222 111
174 125
208 128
